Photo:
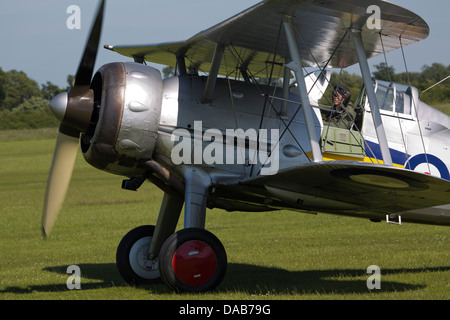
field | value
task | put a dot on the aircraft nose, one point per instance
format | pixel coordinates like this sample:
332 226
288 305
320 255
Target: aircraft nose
58 105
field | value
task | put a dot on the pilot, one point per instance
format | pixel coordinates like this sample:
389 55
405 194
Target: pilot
342 115
341 97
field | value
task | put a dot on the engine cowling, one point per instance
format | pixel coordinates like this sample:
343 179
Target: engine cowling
124 125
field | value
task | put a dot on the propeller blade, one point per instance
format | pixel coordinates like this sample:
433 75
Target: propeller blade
86 67
59 179
74 111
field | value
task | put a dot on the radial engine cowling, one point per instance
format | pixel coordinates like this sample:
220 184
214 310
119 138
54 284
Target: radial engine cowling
124 127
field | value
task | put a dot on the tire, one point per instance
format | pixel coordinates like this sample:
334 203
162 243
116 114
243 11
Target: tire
192 260
131 257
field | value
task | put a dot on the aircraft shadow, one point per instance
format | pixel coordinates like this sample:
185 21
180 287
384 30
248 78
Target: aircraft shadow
267 281
250 279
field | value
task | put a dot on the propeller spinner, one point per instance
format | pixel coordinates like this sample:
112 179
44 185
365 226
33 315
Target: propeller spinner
74 111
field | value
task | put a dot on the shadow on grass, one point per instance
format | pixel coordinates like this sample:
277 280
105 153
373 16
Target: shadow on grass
247 278
261 281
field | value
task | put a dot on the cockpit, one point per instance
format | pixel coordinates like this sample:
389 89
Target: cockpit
343 134
395 98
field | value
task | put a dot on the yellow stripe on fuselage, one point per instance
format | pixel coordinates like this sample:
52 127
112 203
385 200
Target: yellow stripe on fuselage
336 157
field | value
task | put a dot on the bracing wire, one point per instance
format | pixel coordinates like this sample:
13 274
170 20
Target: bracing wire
395 102
415 107
318 65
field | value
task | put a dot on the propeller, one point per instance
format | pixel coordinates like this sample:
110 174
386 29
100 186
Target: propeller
74 111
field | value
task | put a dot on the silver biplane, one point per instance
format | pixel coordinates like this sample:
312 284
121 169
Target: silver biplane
216 136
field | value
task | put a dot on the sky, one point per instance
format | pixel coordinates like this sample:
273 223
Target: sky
34 36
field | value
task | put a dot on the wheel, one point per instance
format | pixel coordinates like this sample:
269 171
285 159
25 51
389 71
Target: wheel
132 257
192 260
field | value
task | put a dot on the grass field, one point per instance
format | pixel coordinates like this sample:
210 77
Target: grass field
276 255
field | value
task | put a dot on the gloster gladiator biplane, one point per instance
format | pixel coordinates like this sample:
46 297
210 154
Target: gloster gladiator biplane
217 136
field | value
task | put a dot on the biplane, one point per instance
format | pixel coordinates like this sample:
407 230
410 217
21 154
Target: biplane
241 127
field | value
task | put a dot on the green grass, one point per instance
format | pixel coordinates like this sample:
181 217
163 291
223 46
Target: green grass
275 255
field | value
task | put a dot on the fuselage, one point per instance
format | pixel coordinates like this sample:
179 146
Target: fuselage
418 135
227 139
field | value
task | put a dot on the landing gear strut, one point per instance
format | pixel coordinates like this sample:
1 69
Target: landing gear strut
191 260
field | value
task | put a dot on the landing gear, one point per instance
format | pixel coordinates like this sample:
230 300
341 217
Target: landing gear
132 257
192 260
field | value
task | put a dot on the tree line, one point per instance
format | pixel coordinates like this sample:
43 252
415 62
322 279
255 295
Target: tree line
24 103
427 77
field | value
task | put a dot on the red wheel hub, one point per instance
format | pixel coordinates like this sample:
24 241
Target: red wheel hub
194 263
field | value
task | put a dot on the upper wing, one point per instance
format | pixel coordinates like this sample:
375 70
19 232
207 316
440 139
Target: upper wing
253 36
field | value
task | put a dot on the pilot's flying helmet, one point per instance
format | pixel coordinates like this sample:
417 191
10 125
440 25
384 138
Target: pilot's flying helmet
345 92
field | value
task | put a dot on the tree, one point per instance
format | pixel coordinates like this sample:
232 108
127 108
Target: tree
3 82
352 81
17 89
33 104
435 73
70 81
49 90
384 72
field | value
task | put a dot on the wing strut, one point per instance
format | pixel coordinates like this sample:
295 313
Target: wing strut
181 65
286 79
213 73
365 71
296 66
